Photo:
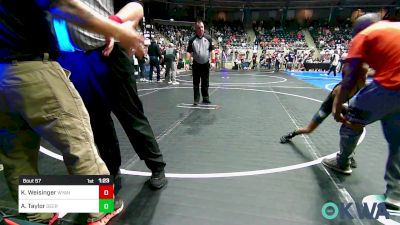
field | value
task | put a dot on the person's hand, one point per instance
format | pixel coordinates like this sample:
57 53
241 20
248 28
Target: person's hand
354 126
131 40
337 114
140 50
109 46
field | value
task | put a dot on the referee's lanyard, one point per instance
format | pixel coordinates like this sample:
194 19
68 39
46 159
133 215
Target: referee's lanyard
64 42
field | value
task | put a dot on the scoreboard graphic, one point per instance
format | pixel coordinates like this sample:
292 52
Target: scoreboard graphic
66 194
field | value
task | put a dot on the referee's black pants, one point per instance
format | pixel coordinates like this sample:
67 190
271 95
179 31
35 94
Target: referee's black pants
332 68
201 72
107 84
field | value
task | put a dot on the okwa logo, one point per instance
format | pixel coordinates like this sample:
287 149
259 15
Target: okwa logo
331 210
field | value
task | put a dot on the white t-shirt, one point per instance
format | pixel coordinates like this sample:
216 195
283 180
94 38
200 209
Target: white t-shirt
335 60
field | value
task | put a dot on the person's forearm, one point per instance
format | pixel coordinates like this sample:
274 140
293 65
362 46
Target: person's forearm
348 84
76 12
338 98
352 73
132 11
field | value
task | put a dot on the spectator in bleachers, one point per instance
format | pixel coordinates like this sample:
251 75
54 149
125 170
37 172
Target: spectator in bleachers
290 59
254 61
142 62
154 53
170 58
334 62
223 59
277 62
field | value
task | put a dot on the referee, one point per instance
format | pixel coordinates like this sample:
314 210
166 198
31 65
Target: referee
201 48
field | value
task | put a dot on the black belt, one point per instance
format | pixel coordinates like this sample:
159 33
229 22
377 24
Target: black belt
27 58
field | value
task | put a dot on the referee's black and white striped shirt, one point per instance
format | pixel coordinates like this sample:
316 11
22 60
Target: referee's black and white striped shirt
200 48
84 39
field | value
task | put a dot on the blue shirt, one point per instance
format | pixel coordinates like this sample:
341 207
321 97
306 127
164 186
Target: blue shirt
25 29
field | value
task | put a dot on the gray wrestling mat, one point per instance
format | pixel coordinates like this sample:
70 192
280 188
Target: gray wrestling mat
225 163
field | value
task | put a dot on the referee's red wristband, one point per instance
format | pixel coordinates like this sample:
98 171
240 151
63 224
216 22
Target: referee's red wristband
115 18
